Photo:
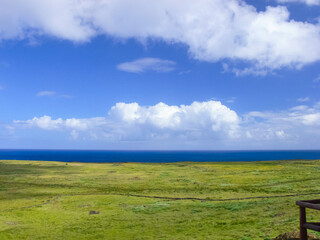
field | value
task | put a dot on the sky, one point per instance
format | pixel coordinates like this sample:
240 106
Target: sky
160 75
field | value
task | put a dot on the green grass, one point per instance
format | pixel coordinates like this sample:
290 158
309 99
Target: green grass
52 200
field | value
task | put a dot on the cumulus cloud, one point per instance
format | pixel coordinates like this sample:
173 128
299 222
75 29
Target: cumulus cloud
213 30
147 64
308 2
130 121
44 122
47 123
198 118
206 125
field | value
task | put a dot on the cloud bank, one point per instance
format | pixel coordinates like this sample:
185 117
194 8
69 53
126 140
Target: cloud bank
210 124
297 126
213 30
130 121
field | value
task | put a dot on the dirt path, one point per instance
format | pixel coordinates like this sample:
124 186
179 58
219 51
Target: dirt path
159 197
220 200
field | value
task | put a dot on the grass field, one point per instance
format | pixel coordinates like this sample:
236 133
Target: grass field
52 200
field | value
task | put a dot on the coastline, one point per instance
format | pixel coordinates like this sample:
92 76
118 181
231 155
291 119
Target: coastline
157 156
164 163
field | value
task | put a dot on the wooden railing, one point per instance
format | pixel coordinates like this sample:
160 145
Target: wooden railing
304 225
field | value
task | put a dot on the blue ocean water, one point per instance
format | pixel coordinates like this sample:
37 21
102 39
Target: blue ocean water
156 156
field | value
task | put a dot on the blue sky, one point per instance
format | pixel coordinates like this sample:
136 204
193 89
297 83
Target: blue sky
171 75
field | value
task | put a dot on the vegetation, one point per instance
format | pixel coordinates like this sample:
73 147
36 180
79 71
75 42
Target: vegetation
53 200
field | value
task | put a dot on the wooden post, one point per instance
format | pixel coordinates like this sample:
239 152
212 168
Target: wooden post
303 220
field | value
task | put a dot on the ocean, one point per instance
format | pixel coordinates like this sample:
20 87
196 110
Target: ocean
103 156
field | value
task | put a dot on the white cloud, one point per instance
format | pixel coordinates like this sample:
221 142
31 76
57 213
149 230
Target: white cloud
308 2
52 93
200 117
44 122
299 108
298 115
130 121
305 99
47 123
45 93
252 70
204 125
147 64
298 126
213 30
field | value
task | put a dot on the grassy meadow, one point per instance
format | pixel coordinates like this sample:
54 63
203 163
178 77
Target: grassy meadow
53 200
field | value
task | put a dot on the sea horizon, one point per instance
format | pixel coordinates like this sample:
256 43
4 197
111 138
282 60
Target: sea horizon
154 156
